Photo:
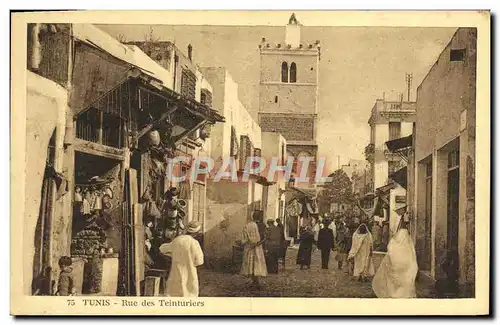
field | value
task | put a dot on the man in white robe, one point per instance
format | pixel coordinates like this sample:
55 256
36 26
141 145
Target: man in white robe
186 256
361 252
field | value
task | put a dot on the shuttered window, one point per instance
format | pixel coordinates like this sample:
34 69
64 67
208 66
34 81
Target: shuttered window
188 84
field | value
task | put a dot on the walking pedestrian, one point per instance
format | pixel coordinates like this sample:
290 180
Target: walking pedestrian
186 256
361 253
395 278
325 243
254 262
305 247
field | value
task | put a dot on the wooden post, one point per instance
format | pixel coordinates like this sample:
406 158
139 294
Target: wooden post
99 127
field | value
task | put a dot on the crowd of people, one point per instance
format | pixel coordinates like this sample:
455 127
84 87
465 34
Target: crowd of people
353 243
265 246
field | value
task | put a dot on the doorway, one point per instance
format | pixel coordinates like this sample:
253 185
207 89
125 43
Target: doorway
43 283
427 254
452 216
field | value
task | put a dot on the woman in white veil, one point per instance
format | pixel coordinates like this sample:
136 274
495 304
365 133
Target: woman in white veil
361 252
396 275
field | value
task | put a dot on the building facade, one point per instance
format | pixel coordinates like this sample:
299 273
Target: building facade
288 94
444 165
389 120
230 202
111 107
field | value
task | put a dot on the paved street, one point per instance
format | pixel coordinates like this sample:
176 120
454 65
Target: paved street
294 282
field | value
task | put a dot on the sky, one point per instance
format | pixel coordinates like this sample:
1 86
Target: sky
358 64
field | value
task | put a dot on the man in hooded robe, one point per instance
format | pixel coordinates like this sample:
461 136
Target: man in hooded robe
361 253
305 247
395 278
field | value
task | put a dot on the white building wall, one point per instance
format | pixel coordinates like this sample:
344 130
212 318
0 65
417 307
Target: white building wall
406 129
293 35
381 169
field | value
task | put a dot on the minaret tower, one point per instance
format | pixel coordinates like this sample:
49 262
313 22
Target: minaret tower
288 101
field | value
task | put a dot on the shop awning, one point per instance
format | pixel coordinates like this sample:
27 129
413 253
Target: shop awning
400 144
384 190
400 177
305 192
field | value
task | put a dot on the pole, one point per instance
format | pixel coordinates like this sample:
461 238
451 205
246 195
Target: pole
409 79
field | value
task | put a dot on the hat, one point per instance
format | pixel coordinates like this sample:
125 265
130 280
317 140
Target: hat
270 221
193 227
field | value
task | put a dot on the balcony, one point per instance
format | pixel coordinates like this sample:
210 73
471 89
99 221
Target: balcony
369 152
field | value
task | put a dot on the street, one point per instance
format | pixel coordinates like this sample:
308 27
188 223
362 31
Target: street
293 282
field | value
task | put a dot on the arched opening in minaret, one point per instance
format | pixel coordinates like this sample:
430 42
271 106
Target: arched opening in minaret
293 72
284 72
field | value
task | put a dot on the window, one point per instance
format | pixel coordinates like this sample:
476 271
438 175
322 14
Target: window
453 159
284 72
276 99
206 97
457 55
293 72
198 201
188 84
394 130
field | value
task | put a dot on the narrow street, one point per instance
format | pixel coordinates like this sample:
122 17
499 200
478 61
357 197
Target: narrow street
293 282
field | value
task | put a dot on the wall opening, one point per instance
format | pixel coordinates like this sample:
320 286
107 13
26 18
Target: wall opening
293 72
457 55
284 72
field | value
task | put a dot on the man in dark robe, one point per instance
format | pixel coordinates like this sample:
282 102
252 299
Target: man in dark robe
273 246
325 243
305 248
283 246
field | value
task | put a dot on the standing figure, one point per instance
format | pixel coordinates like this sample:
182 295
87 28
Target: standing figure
395 278
325 243
66 282
341 244
148 244
254 262
315 228
283 246
273 246
186 257
305 247
377 233
361 253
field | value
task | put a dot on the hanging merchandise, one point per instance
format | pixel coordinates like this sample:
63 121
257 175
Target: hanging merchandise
154 138
294 208
78 195
312 208
184 190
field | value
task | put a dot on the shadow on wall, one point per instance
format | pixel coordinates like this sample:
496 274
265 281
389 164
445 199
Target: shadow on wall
224 224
